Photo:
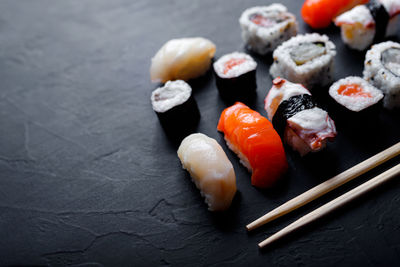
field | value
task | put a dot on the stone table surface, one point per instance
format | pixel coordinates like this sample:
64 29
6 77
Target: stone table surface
88 177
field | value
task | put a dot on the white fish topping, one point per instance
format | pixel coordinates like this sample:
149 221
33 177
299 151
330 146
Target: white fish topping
210 169
183 59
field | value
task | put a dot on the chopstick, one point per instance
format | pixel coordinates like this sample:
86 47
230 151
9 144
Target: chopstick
327 186
334 204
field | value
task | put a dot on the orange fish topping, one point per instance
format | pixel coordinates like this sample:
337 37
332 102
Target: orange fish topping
319 13
255 138
353 90
232 63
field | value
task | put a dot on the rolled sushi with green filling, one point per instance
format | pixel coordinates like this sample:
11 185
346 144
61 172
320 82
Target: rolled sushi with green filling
382 70
306 59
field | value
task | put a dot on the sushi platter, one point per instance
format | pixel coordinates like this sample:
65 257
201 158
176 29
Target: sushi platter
302 63
219 133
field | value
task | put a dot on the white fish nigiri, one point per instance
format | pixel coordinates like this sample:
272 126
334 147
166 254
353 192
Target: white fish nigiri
182 59
210 169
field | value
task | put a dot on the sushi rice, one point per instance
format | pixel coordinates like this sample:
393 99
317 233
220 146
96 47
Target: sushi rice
384 75
247 65
314 69
172 94
263 37
366 96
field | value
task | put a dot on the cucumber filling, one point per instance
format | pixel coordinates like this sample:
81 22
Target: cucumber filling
306 52
391 60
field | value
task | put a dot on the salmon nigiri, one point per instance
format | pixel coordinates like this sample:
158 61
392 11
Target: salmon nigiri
319 13
253 138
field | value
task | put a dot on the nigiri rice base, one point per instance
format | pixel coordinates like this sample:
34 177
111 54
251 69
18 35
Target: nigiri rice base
243 159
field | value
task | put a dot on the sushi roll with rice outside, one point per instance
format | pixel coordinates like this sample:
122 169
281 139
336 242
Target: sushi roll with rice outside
236 76
369 23
265 27
355 94
296 117
182 59
210 169
176 108
382 70
307 59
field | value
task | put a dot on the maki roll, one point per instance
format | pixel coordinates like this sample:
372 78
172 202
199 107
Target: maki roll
236 76
297 118
210 169
369 23
182 59
305 59
355 94
176 108
265 27
257 144
382 70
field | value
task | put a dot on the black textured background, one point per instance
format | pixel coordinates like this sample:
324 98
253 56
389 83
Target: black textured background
88 177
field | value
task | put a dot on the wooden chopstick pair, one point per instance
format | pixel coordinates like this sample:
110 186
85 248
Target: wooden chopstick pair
326 187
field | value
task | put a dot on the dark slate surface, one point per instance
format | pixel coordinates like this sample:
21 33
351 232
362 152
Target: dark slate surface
88 177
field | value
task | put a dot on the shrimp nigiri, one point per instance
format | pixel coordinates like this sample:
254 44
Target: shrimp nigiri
259 147
319 13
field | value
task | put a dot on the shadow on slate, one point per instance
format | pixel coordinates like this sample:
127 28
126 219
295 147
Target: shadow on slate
316 163
265 59
331 30
250 99
201 82
227 221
